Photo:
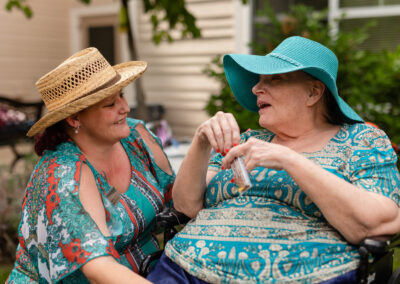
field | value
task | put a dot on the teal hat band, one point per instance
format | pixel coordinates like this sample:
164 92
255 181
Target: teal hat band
293 54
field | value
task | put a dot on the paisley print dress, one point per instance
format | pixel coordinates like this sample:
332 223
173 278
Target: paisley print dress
57 236
273 233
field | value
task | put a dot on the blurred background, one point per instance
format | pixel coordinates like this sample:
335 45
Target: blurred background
183 42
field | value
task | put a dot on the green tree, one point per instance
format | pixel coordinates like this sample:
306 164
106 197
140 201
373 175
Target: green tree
369 82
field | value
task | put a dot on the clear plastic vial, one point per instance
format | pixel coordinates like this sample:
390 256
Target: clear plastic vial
241 175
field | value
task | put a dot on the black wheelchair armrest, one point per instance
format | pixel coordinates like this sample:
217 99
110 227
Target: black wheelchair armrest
376 245
171 217
376 258
166 220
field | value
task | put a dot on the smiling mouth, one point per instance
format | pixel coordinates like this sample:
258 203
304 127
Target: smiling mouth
120 121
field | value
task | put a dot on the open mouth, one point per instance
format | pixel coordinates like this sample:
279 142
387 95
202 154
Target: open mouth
263 105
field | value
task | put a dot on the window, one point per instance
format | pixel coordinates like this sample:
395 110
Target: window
386 14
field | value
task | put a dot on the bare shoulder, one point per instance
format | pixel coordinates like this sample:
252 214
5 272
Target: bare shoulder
91 199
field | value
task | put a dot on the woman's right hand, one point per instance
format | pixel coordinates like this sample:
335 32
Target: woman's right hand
221 132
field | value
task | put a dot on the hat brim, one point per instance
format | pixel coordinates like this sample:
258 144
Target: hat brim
128 72
242 73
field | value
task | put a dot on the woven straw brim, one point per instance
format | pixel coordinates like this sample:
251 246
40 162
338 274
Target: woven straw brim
128 72
242 73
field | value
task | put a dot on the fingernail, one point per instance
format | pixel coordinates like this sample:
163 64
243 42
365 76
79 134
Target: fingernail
235 144
222 168
232 180
218 150
223 154
227 150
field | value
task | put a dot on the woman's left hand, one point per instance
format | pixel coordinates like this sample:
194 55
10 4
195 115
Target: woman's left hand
259 153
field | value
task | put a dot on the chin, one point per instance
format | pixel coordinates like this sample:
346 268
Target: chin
120 134
125 133
263 123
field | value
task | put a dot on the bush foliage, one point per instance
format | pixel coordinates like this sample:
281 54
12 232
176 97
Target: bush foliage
367 81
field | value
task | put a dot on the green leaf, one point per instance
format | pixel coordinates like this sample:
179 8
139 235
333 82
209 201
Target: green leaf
28 12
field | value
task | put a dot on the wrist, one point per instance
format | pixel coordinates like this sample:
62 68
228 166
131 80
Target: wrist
290 159
201 142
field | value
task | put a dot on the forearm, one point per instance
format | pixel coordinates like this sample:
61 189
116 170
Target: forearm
106 270
190 183
354 212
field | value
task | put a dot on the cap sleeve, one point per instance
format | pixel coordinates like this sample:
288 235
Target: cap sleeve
67 237
373 163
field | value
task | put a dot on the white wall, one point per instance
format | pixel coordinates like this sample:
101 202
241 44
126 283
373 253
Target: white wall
175 74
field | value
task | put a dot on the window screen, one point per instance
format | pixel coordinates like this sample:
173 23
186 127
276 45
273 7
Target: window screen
384 35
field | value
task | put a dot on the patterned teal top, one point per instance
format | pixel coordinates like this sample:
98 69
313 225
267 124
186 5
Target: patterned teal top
57 236
274 233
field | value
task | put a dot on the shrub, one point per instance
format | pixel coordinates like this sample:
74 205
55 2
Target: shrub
12 188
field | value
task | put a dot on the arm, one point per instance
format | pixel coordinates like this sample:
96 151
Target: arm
354 212
104 269
220 132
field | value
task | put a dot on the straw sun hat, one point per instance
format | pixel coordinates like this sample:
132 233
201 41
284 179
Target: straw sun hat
81 81
294 53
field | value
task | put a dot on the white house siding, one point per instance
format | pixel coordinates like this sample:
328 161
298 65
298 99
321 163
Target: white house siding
175 72
29 48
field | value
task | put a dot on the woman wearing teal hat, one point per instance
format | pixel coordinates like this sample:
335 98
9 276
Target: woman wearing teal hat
322 180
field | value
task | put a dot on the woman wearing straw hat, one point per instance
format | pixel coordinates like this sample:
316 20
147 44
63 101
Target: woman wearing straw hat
322 180
92 197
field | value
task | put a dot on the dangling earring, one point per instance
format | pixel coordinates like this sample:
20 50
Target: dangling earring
76 130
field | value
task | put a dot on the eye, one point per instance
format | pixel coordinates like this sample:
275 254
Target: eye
110 103
275 77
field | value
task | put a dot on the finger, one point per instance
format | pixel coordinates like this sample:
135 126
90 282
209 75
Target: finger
249 162
235 130
207 131
227 132
235 152
218 136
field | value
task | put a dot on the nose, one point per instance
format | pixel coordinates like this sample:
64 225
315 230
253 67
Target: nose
257 90
123 104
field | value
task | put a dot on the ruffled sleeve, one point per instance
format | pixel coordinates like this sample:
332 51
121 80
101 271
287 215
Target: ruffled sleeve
373 163
55 229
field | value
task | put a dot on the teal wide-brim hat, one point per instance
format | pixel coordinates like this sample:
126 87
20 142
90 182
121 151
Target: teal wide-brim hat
294 53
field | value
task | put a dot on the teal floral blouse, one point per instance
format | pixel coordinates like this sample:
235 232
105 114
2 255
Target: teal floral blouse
57 236
273 233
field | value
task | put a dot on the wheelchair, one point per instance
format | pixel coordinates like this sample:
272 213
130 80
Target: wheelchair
376 254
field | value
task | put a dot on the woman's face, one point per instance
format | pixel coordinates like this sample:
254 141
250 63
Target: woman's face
106 120
282 98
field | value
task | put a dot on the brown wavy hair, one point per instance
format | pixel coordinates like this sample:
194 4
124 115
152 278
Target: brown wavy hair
51 137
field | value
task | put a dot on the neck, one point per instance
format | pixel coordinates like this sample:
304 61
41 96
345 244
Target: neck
97 152
305 136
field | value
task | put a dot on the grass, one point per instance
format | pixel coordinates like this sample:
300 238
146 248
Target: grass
4 272
396 260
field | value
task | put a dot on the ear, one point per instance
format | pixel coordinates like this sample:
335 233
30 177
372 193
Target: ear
73 121
316 92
